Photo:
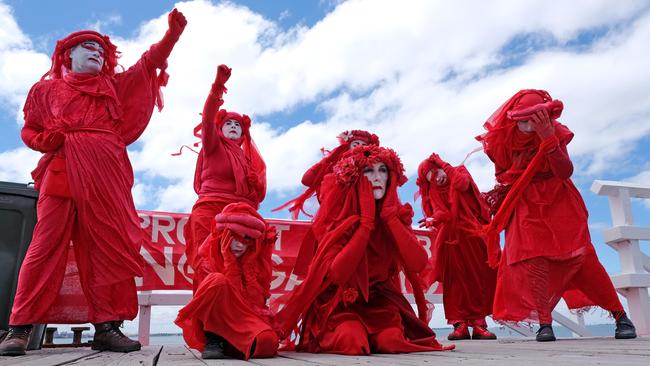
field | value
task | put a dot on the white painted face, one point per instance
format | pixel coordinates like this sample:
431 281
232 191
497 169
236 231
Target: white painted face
238 248
525 126
356 143
378 176
87 57
231 129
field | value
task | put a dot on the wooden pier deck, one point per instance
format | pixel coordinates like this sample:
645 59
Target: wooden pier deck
502 352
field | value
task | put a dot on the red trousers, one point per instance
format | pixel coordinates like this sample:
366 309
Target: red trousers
52 290
217 307
529 290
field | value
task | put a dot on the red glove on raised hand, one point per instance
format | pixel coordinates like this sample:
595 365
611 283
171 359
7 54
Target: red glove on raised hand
177 23
542 124
49 140
367 204
219 85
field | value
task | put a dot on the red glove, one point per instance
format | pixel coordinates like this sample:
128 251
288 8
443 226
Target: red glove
163 49
366 204
49 140
390 206
219 85
542 124
177 23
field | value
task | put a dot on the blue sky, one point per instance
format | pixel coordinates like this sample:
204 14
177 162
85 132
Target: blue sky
423 76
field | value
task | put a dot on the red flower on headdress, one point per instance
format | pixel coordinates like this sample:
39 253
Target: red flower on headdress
347 172
349 168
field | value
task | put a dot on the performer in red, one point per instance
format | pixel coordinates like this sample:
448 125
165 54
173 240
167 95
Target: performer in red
548 252
228 315
313 179
350 301
82 115
229 167
452 203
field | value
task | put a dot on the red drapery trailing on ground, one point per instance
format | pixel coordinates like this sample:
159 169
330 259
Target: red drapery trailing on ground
457 210
548 247
231 293
349 302
83 123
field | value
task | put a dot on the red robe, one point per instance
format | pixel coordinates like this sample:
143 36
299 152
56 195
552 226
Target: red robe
461 267
368 314
230 299
548 252
221 177
85 188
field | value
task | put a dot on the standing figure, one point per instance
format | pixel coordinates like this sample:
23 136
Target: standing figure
350 301
228 315
83 115
454 206
313 179
548 252
229 167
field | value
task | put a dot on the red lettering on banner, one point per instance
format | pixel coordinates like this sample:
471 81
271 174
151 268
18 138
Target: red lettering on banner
166 267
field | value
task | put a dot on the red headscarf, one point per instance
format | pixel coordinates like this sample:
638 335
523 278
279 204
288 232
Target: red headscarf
249 169
517 156
339 214
250 273
61 63
324 167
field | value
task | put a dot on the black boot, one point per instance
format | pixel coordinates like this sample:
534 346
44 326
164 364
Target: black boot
545 333
15 341
214 346
624 327
109 337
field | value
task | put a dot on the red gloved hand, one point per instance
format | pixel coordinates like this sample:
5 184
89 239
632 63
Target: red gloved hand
219 85
366 203
390 206
542 124
49 140
177 23
427 223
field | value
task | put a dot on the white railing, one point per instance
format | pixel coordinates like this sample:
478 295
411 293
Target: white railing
634 280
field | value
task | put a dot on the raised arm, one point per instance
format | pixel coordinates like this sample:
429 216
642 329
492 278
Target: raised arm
209 135
160 51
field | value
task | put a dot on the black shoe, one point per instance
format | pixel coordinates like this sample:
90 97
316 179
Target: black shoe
545 333
214 346
109 337
15 341
624 328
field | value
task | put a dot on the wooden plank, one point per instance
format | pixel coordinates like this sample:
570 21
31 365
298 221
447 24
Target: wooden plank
226 362
48 356
147 356
178 355
281 360
332 359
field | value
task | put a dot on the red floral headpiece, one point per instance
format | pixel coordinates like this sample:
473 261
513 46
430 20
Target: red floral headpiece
61 56
365 136
351 164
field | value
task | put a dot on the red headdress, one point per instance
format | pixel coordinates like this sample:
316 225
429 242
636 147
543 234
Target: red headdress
518 156
314 177
242 222
249 172
61 63
335 222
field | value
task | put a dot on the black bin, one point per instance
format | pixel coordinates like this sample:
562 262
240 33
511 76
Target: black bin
17 220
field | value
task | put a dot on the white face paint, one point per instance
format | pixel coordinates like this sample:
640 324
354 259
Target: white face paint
237 248
87 57
356 143
231 129
525 126
378 176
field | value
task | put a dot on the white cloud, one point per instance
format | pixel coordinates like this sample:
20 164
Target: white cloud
372 65
17 164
